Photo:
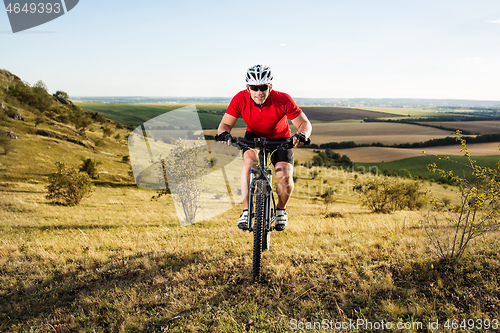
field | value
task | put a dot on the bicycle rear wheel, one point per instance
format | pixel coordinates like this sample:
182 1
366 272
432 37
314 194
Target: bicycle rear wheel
258 228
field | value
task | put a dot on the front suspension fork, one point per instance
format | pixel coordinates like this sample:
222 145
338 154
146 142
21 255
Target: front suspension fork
270 209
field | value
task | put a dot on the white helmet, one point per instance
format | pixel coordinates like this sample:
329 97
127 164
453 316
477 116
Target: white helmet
258 75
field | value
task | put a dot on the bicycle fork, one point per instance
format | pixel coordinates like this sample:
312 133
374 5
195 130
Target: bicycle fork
270 207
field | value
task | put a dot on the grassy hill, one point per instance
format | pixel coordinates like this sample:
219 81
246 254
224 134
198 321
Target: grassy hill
120 262
51 131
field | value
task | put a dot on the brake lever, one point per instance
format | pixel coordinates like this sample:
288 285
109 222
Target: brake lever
238 144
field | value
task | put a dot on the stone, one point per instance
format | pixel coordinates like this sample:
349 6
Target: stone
11 135
16 115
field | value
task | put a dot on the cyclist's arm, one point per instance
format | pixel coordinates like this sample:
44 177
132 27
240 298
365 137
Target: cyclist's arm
303 126
227 123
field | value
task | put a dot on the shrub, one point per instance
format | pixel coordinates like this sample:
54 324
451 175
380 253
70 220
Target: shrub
89 166
106 131
39 120
67 186
6 143
477 213
328 197
387 194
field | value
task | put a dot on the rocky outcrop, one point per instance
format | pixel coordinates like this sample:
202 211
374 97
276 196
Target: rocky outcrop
50 134
16 115
11 135
64 101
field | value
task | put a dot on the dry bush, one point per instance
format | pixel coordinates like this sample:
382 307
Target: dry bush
67 186
477 213
387 194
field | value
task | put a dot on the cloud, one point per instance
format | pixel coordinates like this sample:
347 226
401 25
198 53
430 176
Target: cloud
496 21
283 44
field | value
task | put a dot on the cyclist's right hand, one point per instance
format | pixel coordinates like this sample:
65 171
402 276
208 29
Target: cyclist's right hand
224 137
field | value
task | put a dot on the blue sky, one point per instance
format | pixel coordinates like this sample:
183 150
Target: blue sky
335 49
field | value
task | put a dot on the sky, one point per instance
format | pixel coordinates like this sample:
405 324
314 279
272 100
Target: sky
316 49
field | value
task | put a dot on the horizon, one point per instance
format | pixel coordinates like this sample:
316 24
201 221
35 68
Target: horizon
319 98
326 101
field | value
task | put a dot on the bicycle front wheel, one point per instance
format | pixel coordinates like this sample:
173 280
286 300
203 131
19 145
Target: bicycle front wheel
258 228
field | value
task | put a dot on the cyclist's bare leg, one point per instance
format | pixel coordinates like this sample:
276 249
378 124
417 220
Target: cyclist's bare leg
249 160
284 174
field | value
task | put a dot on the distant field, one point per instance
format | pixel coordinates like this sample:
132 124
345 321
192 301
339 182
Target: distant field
210 114
136 114
475 127
386 133
418 165
130 114
406 112
327 113
387 154
359 132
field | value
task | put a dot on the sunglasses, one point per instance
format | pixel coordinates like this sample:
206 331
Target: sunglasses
263 87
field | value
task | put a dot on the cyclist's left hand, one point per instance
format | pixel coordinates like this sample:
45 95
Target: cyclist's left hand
299 139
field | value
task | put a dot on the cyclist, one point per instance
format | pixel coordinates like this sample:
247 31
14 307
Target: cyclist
265 112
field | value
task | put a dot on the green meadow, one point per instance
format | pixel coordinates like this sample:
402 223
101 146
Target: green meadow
417 166
134 115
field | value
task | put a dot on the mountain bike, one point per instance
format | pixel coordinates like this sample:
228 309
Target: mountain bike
261 202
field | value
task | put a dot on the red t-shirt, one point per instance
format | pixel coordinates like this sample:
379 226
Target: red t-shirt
269 119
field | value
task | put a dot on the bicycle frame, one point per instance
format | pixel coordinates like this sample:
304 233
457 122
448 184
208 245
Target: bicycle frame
260 197
262 171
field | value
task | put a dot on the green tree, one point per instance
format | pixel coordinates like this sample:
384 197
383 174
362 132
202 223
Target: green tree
40 86
61 94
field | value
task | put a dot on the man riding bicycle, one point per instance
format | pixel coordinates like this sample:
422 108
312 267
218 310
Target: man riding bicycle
265 112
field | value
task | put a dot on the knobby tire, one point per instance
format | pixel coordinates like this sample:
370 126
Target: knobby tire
258 229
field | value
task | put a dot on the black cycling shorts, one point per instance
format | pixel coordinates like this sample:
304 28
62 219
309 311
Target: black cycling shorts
279 155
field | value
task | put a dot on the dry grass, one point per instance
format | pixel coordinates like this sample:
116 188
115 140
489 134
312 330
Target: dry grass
120 262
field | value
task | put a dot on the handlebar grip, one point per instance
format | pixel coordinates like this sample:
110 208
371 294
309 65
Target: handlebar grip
224 136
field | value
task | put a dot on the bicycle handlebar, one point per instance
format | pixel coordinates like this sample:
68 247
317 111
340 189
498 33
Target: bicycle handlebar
263 143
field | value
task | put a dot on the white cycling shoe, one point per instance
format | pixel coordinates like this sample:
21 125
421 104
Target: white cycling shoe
281 219
280 224
243 220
